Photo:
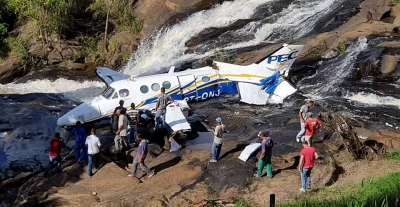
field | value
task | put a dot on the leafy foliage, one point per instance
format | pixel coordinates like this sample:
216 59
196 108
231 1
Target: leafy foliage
376 192
120 13
49 15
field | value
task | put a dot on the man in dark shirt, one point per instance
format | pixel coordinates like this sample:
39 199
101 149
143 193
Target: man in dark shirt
55 153
114 116
133 119
266 154
80 137
140 157
161 108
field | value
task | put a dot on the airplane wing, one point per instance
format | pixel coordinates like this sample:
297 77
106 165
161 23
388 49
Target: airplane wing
108 75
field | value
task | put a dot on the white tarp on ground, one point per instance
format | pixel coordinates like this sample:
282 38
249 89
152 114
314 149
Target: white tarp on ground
175 118
248 151
203 142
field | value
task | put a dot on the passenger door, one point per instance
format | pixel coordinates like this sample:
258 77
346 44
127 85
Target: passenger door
188 89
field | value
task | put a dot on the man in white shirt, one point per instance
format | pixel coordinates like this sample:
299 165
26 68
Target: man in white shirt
93 145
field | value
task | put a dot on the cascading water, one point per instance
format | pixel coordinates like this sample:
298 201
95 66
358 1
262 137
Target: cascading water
167 47
74 90
331 73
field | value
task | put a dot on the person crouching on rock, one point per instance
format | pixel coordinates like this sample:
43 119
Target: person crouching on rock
55 153
266 154
302 115
140 157
80 137
307 157
217 144
311 126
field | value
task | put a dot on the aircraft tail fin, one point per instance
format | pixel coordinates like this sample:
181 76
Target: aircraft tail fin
282 58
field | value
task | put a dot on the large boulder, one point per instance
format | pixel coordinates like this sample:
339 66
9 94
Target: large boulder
376 8
39 50
8 69
395 10
54 57
389 63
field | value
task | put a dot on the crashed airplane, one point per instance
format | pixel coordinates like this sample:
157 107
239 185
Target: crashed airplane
259 83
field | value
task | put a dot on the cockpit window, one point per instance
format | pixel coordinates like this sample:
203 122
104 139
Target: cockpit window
115 96
123 93
108 92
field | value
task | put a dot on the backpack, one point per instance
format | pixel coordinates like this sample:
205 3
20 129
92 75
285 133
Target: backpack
270 142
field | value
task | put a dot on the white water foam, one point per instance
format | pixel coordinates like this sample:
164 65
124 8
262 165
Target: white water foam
168 46
373 99
293 22
332 73
76 91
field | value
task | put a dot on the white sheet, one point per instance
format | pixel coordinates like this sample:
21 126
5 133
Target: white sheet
250 149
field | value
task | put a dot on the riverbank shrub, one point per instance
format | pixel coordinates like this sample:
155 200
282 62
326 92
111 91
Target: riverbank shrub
375 192
395 155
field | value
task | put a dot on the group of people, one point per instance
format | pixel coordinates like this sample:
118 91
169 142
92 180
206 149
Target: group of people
84 146
308 154
125 125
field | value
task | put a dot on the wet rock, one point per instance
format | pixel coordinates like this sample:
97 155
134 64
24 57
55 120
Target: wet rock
389 63
54 57
17 180
214 32
76 66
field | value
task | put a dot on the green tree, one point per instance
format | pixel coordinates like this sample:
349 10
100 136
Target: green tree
51 16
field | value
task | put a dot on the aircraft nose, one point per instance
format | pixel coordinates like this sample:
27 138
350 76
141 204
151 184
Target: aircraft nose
83 113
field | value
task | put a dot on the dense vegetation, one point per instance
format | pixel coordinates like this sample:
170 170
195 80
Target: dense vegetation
91 22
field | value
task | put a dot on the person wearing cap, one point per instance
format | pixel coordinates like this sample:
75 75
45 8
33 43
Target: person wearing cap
311 126
307 156
302 115
217 144
161 108
266 154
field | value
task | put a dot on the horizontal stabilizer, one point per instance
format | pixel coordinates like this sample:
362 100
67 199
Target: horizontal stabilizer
175 118
108 75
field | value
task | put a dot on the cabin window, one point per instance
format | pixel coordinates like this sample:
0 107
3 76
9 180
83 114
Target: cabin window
155 87
166 84
123 93
115 95
144 89
205 78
